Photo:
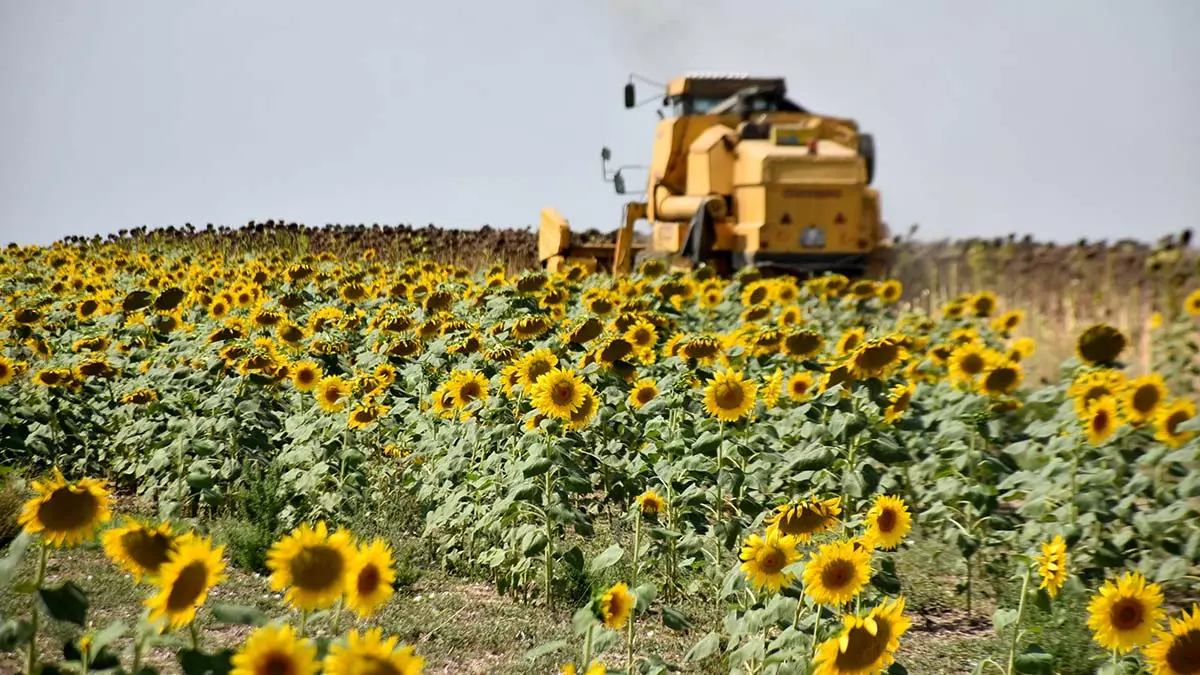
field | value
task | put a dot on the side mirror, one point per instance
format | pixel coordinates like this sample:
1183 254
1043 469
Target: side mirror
630 95
619 182
605 154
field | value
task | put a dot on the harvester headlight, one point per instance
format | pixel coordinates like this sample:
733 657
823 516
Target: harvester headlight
812 237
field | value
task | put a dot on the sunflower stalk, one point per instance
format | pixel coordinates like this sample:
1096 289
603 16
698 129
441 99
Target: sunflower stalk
637 545
1012 649
587 646
31 656
720 501
548 571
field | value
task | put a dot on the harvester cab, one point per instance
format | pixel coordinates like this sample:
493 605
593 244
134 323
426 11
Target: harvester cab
740 175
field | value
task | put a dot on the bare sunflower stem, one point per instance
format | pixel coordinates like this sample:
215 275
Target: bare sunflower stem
303 622
816 627
637 545
195 636
587 647
337 614
548 571
31 657
1012 649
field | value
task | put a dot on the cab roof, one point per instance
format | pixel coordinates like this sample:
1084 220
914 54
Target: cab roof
719 84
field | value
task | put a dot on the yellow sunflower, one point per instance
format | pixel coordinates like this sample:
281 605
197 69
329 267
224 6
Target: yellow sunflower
467 386
799 385
850 340
369 578
331 393
1177 651
867 645
1052 565
6 370
310 564
805 519
901 397
836 573
1143 398
729 395
185 579
890 291
764 560
644 391
306 375
66 514
1001 378
139 548
535 364
615 606
1168 420
368 653
888 521
876 358
650 503
967 362
275 650
586 411
1125 612
558 393
1192 303
802 344
1102 420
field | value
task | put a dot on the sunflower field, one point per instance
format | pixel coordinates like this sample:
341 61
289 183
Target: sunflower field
262 445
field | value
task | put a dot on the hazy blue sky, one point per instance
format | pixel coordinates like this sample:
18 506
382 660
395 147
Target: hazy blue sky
1060 119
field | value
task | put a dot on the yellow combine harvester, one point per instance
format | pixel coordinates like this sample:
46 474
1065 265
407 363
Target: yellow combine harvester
742 176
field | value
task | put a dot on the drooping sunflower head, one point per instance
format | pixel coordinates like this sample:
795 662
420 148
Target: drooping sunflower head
1100 345
184 581
802 344
1052 565
729 395
805 519
866 644
66 513
765 559
139 548
369 578
365 415
310 564
275 649
1001 378
837 572
644 391
888 521
1177 651
1125 612
558 393
529 327
877 357
369 653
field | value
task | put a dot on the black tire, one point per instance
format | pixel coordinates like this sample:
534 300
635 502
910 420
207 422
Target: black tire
866 148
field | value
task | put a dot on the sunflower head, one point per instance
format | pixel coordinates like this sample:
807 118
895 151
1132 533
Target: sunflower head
650 503
729 395
614 606
1124 612
310 564
644 391
370 653
1102 420
369 578
1169 418
66 513
558 393
805 519
274 649
1100 345
837 572
866 644
139 548
1052 565
765 559
1177 651
888 521
1143 397
184 581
